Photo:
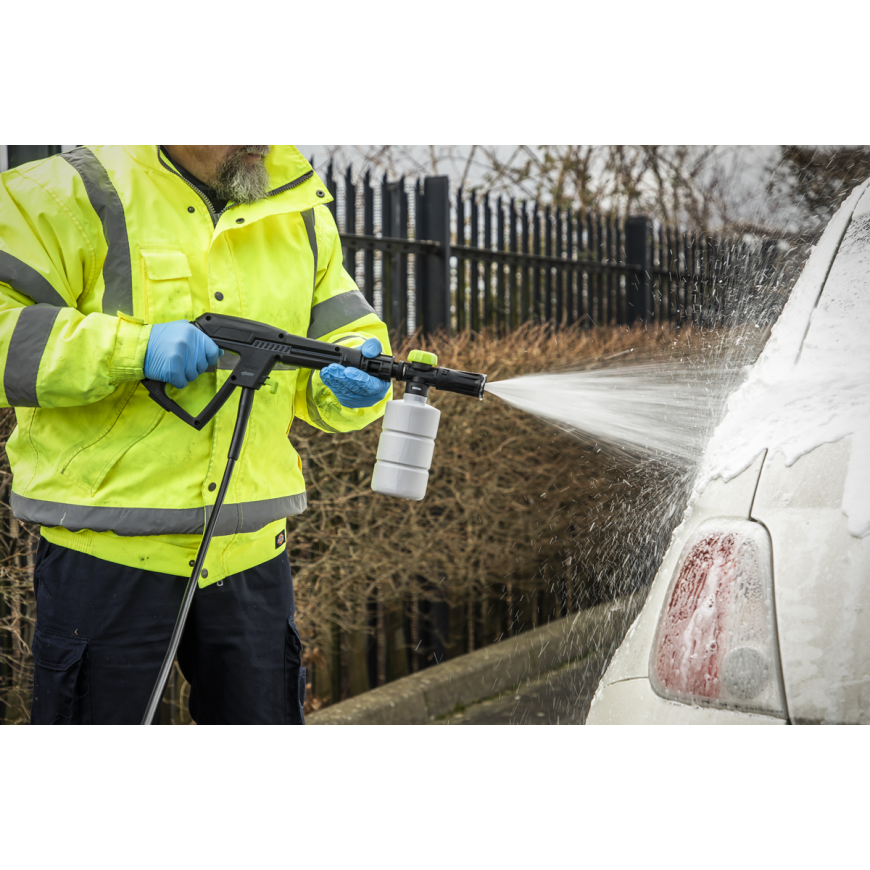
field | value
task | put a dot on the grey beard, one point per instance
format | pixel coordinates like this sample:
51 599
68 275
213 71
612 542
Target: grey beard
239 182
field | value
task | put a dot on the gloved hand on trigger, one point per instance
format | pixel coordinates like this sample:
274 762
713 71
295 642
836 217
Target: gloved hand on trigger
178 353
353 388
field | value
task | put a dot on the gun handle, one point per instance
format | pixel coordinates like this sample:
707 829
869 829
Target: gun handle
157 391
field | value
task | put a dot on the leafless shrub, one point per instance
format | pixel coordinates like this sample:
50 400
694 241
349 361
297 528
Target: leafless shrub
711 188
809 182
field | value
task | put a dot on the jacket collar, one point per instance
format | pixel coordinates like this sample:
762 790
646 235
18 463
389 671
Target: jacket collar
293 184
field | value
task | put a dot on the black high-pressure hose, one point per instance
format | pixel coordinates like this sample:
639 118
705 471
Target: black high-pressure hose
259 347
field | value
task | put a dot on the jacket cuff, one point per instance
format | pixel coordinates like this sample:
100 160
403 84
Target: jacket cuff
131 343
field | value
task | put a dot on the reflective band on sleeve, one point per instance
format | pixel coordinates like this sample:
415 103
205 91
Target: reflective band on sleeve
25 279
308 217
235 519
336 312
26 347
313 411
117 271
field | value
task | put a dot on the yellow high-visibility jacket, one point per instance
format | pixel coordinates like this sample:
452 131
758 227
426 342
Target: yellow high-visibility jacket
97 244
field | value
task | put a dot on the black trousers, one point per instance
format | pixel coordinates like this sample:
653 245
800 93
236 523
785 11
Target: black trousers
102 631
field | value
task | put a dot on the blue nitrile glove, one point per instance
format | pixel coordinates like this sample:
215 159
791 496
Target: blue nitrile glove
353 388
178 353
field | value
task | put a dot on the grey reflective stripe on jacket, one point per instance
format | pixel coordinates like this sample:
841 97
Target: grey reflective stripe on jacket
26 347
25 279
234 519
337 312
117 270
334 313
308 218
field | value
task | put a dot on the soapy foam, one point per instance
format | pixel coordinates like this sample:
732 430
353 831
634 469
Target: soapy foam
856 495
811 385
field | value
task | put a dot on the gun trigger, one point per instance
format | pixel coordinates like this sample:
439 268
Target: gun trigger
272 385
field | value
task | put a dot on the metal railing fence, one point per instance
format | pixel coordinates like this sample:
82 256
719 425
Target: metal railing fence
424 262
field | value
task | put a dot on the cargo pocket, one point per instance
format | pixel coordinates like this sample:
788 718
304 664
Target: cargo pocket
60 679
294 678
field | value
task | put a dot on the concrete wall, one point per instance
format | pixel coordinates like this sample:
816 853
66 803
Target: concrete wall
423 697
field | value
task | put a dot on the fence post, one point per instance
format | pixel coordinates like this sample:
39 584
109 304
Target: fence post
433 298
399 291
369 230
638 287
332 187
387 260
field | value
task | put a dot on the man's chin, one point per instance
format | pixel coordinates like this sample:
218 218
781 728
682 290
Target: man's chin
243 178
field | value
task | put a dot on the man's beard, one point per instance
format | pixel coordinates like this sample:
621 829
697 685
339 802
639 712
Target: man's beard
239 181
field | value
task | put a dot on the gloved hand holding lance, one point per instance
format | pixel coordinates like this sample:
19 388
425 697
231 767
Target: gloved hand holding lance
407 440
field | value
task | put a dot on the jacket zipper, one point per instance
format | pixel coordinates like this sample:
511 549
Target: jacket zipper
193 187
216 216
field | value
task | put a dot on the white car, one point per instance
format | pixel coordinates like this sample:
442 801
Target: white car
760 610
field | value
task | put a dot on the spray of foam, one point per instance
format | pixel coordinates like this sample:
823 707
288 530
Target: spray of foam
650 420
662 410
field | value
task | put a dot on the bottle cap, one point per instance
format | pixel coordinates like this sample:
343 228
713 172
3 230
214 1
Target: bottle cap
422 356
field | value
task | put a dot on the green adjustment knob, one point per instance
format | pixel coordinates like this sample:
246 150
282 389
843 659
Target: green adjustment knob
421 356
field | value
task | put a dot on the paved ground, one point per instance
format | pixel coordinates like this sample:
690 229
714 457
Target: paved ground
560 697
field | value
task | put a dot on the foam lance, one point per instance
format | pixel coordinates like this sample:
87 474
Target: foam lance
411 424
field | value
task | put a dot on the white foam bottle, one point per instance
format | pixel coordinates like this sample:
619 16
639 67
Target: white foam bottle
407 441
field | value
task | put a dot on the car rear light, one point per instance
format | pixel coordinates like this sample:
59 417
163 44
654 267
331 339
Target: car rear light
716 640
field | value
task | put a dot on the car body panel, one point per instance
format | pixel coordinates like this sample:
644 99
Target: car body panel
822 586
634 702
720 499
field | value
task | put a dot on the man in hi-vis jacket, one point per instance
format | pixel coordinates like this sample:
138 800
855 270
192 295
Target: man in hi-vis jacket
106 255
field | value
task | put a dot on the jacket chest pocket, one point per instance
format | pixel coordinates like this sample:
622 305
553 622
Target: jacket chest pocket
166 280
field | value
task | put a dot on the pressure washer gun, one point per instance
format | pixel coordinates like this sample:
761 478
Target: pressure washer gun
407 438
